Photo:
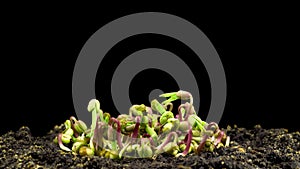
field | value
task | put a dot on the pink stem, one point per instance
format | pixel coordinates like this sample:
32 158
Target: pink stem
202 143
151 141
114 120
98 134
179 112
110 133
149 110
60 143
188 109
97 137
136 128
184 141
220 136
72 119
188 144
160 147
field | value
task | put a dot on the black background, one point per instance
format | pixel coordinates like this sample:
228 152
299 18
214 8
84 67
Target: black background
258 47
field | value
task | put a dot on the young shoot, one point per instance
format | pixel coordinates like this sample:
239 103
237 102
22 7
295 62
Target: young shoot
143 133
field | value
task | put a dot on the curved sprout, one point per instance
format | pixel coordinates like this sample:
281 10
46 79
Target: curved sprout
148 131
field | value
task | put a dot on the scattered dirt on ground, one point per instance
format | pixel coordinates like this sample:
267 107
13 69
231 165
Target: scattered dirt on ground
250 148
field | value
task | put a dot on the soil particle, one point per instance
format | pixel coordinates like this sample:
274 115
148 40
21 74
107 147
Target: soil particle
249 148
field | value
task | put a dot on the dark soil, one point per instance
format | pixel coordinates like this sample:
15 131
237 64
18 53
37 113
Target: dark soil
253 148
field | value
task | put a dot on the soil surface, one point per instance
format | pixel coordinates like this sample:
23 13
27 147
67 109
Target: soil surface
249 148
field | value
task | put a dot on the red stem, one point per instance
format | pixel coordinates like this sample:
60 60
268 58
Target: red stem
220 136
72 118
184 141
114 120
188 144
136 128
202 143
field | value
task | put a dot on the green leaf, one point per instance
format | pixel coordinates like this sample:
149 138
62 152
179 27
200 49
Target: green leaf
156 106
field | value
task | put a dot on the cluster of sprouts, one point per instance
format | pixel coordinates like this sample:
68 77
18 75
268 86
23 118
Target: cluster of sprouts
144 132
